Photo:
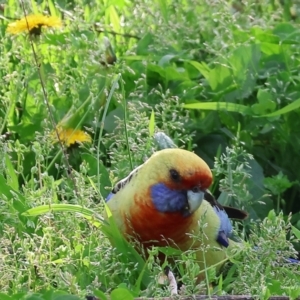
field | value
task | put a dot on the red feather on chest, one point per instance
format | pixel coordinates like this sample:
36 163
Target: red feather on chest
152 227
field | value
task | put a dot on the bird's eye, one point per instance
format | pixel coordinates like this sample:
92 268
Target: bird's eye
196 189
175 176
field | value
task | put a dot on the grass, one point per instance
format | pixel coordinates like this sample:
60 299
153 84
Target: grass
220 78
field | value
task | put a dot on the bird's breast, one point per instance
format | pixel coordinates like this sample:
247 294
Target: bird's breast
152 227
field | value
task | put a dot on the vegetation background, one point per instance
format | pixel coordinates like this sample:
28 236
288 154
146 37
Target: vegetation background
220 78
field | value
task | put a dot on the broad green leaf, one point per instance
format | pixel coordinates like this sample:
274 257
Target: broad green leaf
270 49
287 33
100 294
5 297
143 44
203 68
264 36
175 73
233 107
235 76
53 294
156 69
283 33
121 294
290 107
19 296
266 103
244 65
66 297
296 232
165 60
220 77
35 297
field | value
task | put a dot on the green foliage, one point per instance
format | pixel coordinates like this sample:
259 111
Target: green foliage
263 270
220 79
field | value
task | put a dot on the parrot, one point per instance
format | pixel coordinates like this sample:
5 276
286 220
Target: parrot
166 200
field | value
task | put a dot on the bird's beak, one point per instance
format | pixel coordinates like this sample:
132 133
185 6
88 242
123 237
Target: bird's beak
195 199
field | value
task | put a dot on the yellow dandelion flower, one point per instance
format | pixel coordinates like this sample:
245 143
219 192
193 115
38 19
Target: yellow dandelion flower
34 23
70 136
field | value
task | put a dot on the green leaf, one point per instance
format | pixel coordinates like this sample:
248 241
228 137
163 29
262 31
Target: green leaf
296 232
290 107
169 251
85 212
164 9
12 178
220 78
53 294
152 124
287 33
233 107
166 60
266 103
66 297
114 18
100 294
283 33
143 44
18 296
52 8
5 297
203 68
34 7
264 36
136 57
235 76
244 66
19 202
56 39
121 294
35 297
176 73
277 184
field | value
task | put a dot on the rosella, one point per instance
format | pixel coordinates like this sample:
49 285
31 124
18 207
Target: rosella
166 201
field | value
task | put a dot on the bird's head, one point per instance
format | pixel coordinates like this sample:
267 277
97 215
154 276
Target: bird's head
177 180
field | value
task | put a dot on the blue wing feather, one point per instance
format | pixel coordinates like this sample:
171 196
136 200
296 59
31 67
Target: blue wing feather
109 196
225 229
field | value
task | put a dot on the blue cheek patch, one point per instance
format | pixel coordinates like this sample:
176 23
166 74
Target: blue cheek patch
167 200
